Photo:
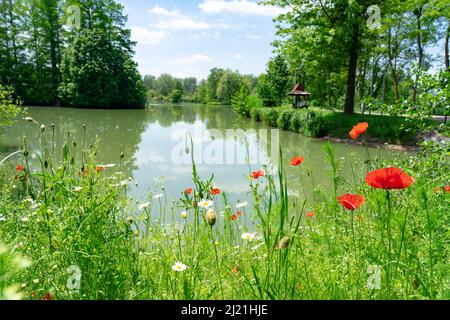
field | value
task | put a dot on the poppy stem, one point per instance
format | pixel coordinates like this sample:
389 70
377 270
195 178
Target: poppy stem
388 197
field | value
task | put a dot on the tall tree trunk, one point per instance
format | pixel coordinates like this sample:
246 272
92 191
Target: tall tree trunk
393 63
349 107
418 14
447 40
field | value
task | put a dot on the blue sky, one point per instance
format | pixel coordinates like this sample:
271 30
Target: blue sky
189 37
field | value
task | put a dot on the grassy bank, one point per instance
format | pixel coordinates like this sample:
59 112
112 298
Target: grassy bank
316 122
69 230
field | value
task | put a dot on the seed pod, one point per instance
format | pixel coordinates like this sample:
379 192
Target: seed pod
284 243
211 217
130 220
42 128
186 150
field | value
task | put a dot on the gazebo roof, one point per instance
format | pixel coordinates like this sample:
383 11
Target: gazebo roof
299 90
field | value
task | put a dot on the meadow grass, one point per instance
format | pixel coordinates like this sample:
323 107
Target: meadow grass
69 228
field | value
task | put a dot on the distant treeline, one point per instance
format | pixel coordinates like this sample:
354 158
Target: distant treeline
222 85
72 53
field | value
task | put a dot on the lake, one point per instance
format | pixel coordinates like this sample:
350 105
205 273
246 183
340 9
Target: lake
154 143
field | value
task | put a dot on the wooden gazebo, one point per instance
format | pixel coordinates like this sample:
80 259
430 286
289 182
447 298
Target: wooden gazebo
297 92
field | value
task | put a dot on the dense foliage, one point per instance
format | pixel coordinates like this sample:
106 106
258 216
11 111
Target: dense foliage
350 51
70 231
49 59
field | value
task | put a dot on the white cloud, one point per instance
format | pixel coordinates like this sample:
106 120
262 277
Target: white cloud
252 36
147 36
183 24
194 59
164 12
238 56
176 20
242 7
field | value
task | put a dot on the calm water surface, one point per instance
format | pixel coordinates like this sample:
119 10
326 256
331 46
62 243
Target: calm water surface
153 142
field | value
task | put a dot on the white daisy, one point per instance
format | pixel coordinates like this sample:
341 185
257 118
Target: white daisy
111 165
77 189
158 196
241 205
2 218
124 183
179 267
184 214
144 205
206 204
248 236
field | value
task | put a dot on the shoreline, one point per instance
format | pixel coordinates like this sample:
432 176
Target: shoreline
371 144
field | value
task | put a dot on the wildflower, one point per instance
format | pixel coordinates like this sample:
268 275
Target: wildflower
111 165
158 196
124 183
236 268
20 168
36 281
446 189
25 219
179 267
241 205
211 217
215 191
205 204
248 236
144 205
238 213
284 243
2 218
99 168
184 214
47 297
359 129
257 174
188 191
352 201
295 162
77 189
310 214
389 178
234 217
33 294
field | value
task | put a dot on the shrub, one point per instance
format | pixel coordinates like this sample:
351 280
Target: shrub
314 125
271 117
8 108
284 120
256 114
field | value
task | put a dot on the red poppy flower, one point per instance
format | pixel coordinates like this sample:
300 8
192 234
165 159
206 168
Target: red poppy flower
359 129
33 294
215 191
234 217
239 213
188 191
20 168
47 296
257 174
296 161
352 201
99 169
447 189
310 214
389 178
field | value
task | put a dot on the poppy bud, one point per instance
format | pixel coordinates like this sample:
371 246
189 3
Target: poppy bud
130 220
29 119
284 243
211 217
42 128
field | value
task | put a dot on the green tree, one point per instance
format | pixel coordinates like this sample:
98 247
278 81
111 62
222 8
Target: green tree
228 86
279 78
97 73
8 107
